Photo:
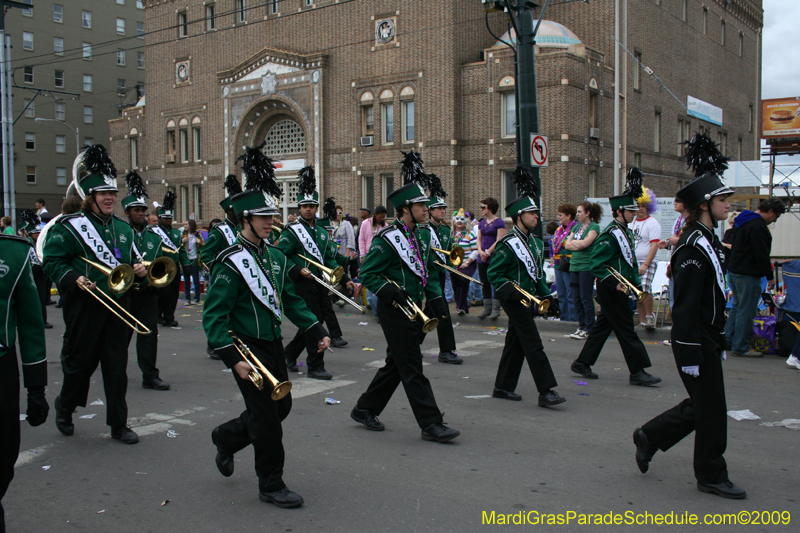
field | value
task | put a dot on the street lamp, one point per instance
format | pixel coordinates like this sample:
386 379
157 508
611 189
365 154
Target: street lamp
76 130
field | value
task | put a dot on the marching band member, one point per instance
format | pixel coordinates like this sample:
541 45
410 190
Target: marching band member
614 248
94 334
518 263
251 294
32 228
311 240
144 301
397 270
171 241
329 214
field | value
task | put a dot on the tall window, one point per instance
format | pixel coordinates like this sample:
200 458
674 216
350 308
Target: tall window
637 72
60 111
59 79
134 152
121 86
139 4
183 24
657 132
368 192
684 10
184 134
408 121
171 140
684 126
30 175
121 57
367 102
741 44
88 114
58 13
211 16
198 201
30 108
723 27
87 83
86 18
705 21
30 141
196 146
184 202
751 118
27 40
508 121
637 159
387 187
58 46
273 6
508 191
739 149
592 184
387 117
61 144
121 26
27 74
139 60
140 30
592 110
61 176
87 51
241 10
27 11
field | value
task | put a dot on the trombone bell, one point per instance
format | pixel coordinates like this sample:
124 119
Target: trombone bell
335 274
161 271
456 254
119 280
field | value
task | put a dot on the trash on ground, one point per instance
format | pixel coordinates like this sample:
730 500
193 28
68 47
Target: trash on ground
456 324
47 467
363 323
331 401
141 473
583 394
165 502
228 370
88 416
22 417
176 327
788 423
300 363
172 433
365 349
491 333
745 414
97 402
478 396
100 511
580 383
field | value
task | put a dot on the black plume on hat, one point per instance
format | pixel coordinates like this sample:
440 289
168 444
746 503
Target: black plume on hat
232 185
169 201
308 181
135 184
412 169
523 179
702 156
436 188
97 161
329 209
29 217
259 171
633 183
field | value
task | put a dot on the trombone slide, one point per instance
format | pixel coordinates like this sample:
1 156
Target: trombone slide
108 302
339 294
456 271
335 274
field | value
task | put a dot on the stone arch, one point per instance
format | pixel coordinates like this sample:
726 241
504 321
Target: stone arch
262 116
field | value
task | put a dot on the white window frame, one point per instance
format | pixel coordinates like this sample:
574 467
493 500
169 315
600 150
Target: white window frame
120 26
385 192
61 144
58 47
120 57
241 11
88 114
405 120
387 123
368 192
30 137
657 132
211 16
723 31
134 151
90 79
88 141
30 110
139 4
27 40
274 7
197 146
87 51
25 74
27 11
60 111
184 202
28 175
56 77
197 201
508 131
183 24
140 59
140 30
61 176
122 87
183 136
58 13
86 19
637 71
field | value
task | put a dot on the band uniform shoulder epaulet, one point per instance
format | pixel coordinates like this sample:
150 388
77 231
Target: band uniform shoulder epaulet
15 238
693 237
507 236
120 218
64 218
230 250
385 230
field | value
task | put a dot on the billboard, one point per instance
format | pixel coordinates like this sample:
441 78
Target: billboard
703 110
780 118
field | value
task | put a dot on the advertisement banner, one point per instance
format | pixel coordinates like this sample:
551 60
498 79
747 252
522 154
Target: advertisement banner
704 110
780 118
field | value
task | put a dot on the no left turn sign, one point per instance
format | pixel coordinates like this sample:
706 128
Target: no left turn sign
539 150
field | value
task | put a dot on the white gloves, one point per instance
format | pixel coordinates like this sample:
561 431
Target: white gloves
693 371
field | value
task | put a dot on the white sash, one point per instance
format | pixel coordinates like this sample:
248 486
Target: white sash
523 254
307 240
259 284
396 238
164 238
94 241
712 255
34 257
436 244
624 244
227 232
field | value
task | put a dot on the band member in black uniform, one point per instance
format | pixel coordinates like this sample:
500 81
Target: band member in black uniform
144 300
19 313
698 338
331 322
31 227
171 241
614 248
397 270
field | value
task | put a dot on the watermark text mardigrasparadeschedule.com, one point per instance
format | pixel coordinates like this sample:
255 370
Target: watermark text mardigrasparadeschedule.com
632 518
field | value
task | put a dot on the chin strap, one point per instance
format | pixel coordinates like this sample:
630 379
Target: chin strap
711 214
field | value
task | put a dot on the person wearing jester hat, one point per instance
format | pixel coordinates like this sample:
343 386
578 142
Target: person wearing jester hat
144 300
397 269
171 243
308 238
698 340
518 263
439 235
31 227
96 335
614 248
250 295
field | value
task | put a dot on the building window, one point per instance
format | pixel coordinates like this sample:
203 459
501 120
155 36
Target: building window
741 44
121 87
637 71
273 6
88 141
58 13
30 141
27 40
684 10
657 132
58 46
27 11
121 2
88 114
87 83
86 18
134 152
28 74
139 4
184 145
368 192
139 89
368 120
750 123
211 17
705 21
61 176
30 175
508 122
121 57
61 144
121 26
284 138
387 117
30 108
387 187
309 3
59 79
171 143
196 146
198 201
723 27
87 51
60 111
508 191
183 24
140 30
408 121
592 184
684 127
637 159
184 202
723 143
241 10
592 110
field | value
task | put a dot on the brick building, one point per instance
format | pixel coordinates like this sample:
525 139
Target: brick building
345 85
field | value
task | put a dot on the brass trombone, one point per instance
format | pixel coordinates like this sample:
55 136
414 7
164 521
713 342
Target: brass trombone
160 272
528 298
412 311
456 271
627 286
456 254
119 280
259 371
335 274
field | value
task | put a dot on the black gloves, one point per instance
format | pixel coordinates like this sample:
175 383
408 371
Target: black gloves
401 297
37 406
555 309
439 308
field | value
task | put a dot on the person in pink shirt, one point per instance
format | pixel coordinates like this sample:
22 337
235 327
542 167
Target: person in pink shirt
369 228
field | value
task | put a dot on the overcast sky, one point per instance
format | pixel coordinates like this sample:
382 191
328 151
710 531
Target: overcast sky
780 78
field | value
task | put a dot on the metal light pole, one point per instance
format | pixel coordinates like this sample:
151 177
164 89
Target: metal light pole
76 130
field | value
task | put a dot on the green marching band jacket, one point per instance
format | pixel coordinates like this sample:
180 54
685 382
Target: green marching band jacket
173 242
148 243
519 258
20 310
84 234
615 247
220 236
300 238
390 256
250 292
439 237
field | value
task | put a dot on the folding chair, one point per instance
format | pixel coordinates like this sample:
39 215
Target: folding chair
667 312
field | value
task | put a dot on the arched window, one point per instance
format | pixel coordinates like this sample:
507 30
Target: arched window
171 141
387 116
197 154
284 138
367 102
407 114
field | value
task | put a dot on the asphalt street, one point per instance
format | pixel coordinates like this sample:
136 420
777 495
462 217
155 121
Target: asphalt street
511 458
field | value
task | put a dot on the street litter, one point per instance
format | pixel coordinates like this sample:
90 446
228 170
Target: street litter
478 396
46 467
583 394
177 327
788 423
331 401
101 511
172 433
23 417
365 349
228 370
745 414
165 502
97 402
88 416
580 383
300 363
491 333
363 323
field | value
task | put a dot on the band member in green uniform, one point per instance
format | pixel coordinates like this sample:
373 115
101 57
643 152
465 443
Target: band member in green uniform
171 242
518 263
251 294
307 238
144 301
440 236
19 313
31 228
397 269
94 334
614 248
329 216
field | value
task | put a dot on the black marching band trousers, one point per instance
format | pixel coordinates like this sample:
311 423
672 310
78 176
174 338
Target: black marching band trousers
314 295
144 306
168 299
444 331
9 422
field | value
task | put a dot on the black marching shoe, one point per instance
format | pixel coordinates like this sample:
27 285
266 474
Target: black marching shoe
48 325
439 432
726 489
644 379
291 366
64 419
172 324
224 461
282 498
367 419
506 394
450 357
320 373
161 322
338 342
550 398
644 450
124 434
583 369
156 384
212 354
